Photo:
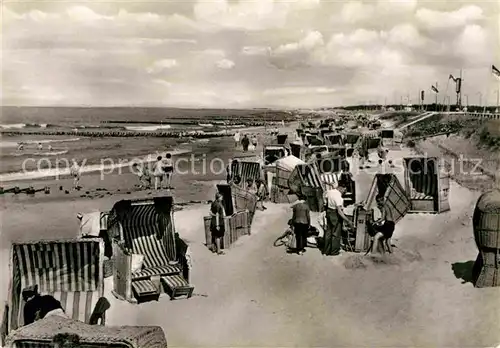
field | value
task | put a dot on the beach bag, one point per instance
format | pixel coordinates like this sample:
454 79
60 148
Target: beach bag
292 242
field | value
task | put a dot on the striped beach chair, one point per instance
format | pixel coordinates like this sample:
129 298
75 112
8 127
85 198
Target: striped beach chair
305 179
345 180
69 270
143 229
248 170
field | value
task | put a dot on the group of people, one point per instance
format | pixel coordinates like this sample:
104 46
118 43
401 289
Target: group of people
162 172
332 220
20 147
245 142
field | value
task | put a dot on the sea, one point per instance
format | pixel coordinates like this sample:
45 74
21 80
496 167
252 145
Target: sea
48 156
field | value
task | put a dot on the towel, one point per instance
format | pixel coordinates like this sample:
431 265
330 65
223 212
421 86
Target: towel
90 225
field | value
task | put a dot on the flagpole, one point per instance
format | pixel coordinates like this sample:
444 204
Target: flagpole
437 105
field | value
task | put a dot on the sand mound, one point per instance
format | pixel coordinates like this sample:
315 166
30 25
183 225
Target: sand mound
397 258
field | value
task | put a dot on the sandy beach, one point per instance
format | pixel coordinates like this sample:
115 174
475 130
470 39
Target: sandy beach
259 296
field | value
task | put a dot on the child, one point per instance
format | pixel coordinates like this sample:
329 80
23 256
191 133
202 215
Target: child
75 172
288 239
143 175
158 172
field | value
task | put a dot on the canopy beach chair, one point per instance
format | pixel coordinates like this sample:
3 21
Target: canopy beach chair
428 184
305 179
69 270
144 230
41 333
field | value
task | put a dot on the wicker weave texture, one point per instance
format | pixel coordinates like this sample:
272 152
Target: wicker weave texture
123 336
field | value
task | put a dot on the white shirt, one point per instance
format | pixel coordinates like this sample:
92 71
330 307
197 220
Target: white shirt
237 137
333 199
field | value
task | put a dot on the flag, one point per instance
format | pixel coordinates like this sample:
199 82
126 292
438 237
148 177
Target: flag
434 89
451 77
495 71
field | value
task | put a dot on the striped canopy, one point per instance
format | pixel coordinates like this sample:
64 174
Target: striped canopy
71 271
305 175
147 228
248 171
423 174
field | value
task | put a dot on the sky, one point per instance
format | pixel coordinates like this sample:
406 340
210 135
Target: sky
251 53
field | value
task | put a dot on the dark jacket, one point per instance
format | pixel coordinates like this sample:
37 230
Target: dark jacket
43 304
301 214
217 213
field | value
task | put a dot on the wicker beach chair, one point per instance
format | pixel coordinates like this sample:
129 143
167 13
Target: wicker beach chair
41 333
69 270
144 228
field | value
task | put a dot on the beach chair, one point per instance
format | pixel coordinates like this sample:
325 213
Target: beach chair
69 270
145 260
428 184
238 205
41 333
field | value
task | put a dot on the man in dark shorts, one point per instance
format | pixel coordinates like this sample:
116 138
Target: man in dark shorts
217 223
38 306
383 229
168 170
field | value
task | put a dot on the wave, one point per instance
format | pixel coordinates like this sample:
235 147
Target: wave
7 144
147 128
58 172
23 125
205 124
45 154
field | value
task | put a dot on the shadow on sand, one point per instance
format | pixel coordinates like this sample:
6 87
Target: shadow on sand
463 271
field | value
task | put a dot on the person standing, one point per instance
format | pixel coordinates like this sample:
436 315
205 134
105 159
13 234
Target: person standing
158 172
236 139
261 194
217 223
75 172
335 215
184 255
40 147
168 171
254 141
245 142
301 221
143 175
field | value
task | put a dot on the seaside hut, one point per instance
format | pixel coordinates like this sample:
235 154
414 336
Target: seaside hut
427 184
41 335
239 206
69 270
143 233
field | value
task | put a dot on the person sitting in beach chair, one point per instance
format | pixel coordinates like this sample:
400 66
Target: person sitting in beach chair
38 306
382 229
251 186
142 173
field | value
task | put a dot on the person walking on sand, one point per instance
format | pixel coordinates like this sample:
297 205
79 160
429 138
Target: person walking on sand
168 170
236 138
158 172
40 147
334 217
245 142
217 223
301 220
75 172
254 141
261 194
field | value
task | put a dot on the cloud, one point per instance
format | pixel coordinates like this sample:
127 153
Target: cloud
225 64
298 91
240 53
162 65
433 19
255 50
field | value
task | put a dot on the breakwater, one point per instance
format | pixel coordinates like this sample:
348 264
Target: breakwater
120 134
